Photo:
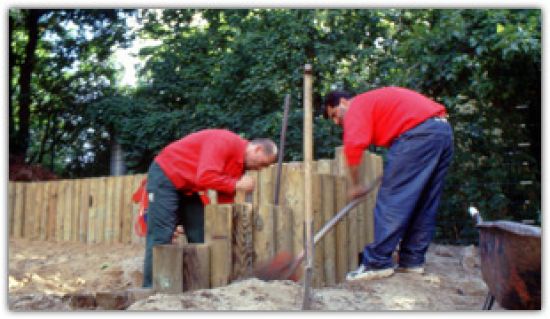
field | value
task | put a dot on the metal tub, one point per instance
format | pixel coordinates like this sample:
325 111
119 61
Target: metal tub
510 263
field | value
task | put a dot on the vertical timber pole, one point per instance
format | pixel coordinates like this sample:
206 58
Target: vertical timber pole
308 187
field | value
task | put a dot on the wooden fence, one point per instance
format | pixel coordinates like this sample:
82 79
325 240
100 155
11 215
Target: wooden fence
100 210
90 210
245 234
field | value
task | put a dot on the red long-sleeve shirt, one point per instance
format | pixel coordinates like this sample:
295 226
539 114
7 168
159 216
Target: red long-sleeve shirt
379 116
207 159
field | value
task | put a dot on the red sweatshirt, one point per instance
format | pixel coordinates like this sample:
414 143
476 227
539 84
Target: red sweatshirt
379 116
207 159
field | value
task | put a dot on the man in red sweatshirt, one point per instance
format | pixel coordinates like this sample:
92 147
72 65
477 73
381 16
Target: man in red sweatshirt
420 142
208 159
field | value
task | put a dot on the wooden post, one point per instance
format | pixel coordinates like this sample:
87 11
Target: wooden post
83 210
19 214
43 211
32 211
60 210
264 232
240 197
293 198
52 211
178 268
76 185
118 209
329 208
324 166
109 209
283 218
92 210
242 242
341 231
318 222
11 206
308 186
265 183
218 224
68 204
339 161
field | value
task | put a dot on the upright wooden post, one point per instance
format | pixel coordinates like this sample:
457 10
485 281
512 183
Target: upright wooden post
11 206
242 242
218 225
308 187
329 207
178 268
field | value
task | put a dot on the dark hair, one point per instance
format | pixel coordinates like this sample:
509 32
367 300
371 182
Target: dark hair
333 99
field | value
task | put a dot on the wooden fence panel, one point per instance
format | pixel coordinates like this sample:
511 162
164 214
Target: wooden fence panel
264 233
329 241
75 210
68 218
341 231
318 222
284 236
102 208
31 206
127 204
293 190
83 210
92 210
11 207
266 185
52 211
42 211
120 208
96 210
242 241
60 210
217 233
109 208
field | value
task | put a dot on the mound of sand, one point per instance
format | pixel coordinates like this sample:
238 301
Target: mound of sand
43 274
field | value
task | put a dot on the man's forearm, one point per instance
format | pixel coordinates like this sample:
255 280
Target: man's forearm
354 174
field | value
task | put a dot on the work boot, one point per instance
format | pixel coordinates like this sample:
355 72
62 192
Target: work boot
365 273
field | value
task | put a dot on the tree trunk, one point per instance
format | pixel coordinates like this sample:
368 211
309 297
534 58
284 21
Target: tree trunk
25 76
117 167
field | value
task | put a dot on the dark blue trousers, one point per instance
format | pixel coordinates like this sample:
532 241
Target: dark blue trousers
168 207
409 196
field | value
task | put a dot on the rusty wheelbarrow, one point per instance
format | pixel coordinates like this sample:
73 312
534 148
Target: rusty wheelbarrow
510 263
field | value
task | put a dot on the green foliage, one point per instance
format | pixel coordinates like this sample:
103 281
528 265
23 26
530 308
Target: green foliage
482 64
70 69
232 68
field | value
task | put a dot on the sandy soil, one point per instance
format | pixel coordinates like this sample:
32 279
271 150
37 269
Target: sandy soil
42 274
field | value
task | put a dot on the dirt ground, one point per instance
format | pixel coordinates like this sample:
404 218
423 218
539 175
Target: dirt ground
43 274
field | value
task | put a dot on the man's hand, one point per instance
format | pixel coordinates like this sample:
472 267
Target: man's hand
179 235
246 183
356 191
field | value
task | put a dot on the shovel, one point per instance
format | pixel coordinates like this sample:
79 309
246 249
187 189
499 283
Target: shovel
283 266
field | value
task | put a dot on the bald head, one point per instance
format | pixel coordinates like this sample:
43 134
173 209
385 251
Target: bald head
260 153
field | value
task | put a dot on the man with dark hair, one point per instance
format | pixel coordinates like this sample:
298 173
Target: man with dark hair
208 159
420 142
